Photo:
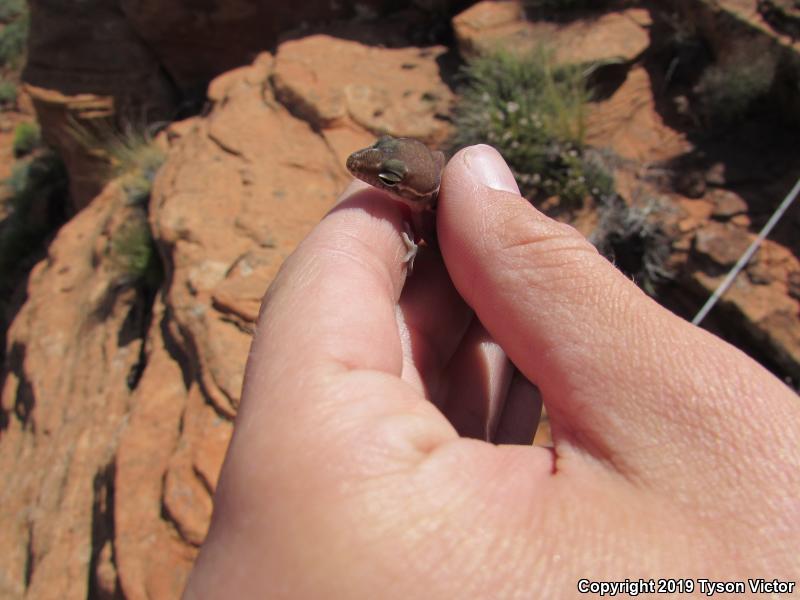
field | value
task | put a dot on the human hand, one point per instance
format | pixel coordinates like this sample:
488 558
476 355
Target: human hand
674 455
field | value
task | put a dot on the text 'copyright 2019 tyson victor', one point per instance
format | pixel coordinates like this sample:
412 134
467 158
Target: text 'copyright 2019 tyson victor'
707 587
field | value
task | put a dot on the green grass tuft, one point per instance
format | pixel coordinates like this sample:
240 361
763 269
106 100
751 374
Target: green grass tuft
534 113
27 137
134 254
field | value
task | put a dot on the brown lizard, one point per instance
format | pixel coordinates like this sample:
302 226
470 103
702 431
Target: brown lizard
410 172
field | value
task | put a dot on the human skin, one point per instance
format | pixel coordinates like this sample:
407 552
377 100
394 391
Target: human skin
675 455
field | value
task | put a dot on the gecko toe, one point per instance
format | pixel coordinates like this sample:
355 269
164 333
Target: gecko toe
411 246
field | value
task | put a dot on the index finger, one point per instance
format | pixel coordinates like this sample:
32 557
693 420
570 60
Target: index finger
332 305
327 362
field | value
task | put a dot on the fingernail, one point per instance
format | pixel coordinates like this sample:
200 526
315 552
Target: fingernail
488 168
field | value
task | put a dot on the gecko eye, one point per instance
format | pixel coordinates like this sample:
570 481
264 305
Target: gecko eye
392 172
389 178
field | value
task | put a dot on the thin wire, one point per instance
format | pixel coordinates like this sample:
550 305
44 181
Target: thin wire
745 258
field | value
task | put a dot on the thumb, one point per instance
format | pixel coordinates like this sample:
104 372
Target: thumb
603 354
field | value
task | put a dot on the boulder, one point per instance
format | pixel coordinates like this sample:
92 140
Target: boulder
333 83
727 204
65 121
615 36
760 298
722 245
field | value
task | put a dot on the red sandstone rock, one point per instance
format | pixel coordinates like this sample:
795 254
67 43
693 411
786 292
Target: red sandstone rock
151 560
618 35
629 124
244 203
394 91
727 204
765 312
759 297
64 120
71 349
722 244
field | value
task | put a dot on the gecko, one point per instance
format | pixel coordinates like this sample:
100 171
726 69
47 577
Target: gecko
410 172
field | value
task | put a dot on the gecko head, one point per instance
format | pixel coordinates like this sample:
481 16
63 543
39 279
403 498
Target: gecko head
403 167
380 165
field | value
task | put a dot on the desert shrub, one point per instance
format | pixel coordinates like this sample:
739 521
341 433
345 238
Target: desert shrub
8 93
633 238
13 37
728 89
133 252
533 112
27 137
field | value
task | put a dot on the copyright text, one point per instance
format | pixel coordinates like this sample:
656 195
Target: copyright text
707 587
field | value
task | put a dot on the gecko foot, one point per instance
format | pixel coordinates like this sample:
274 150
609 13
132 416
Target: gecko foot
411 246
